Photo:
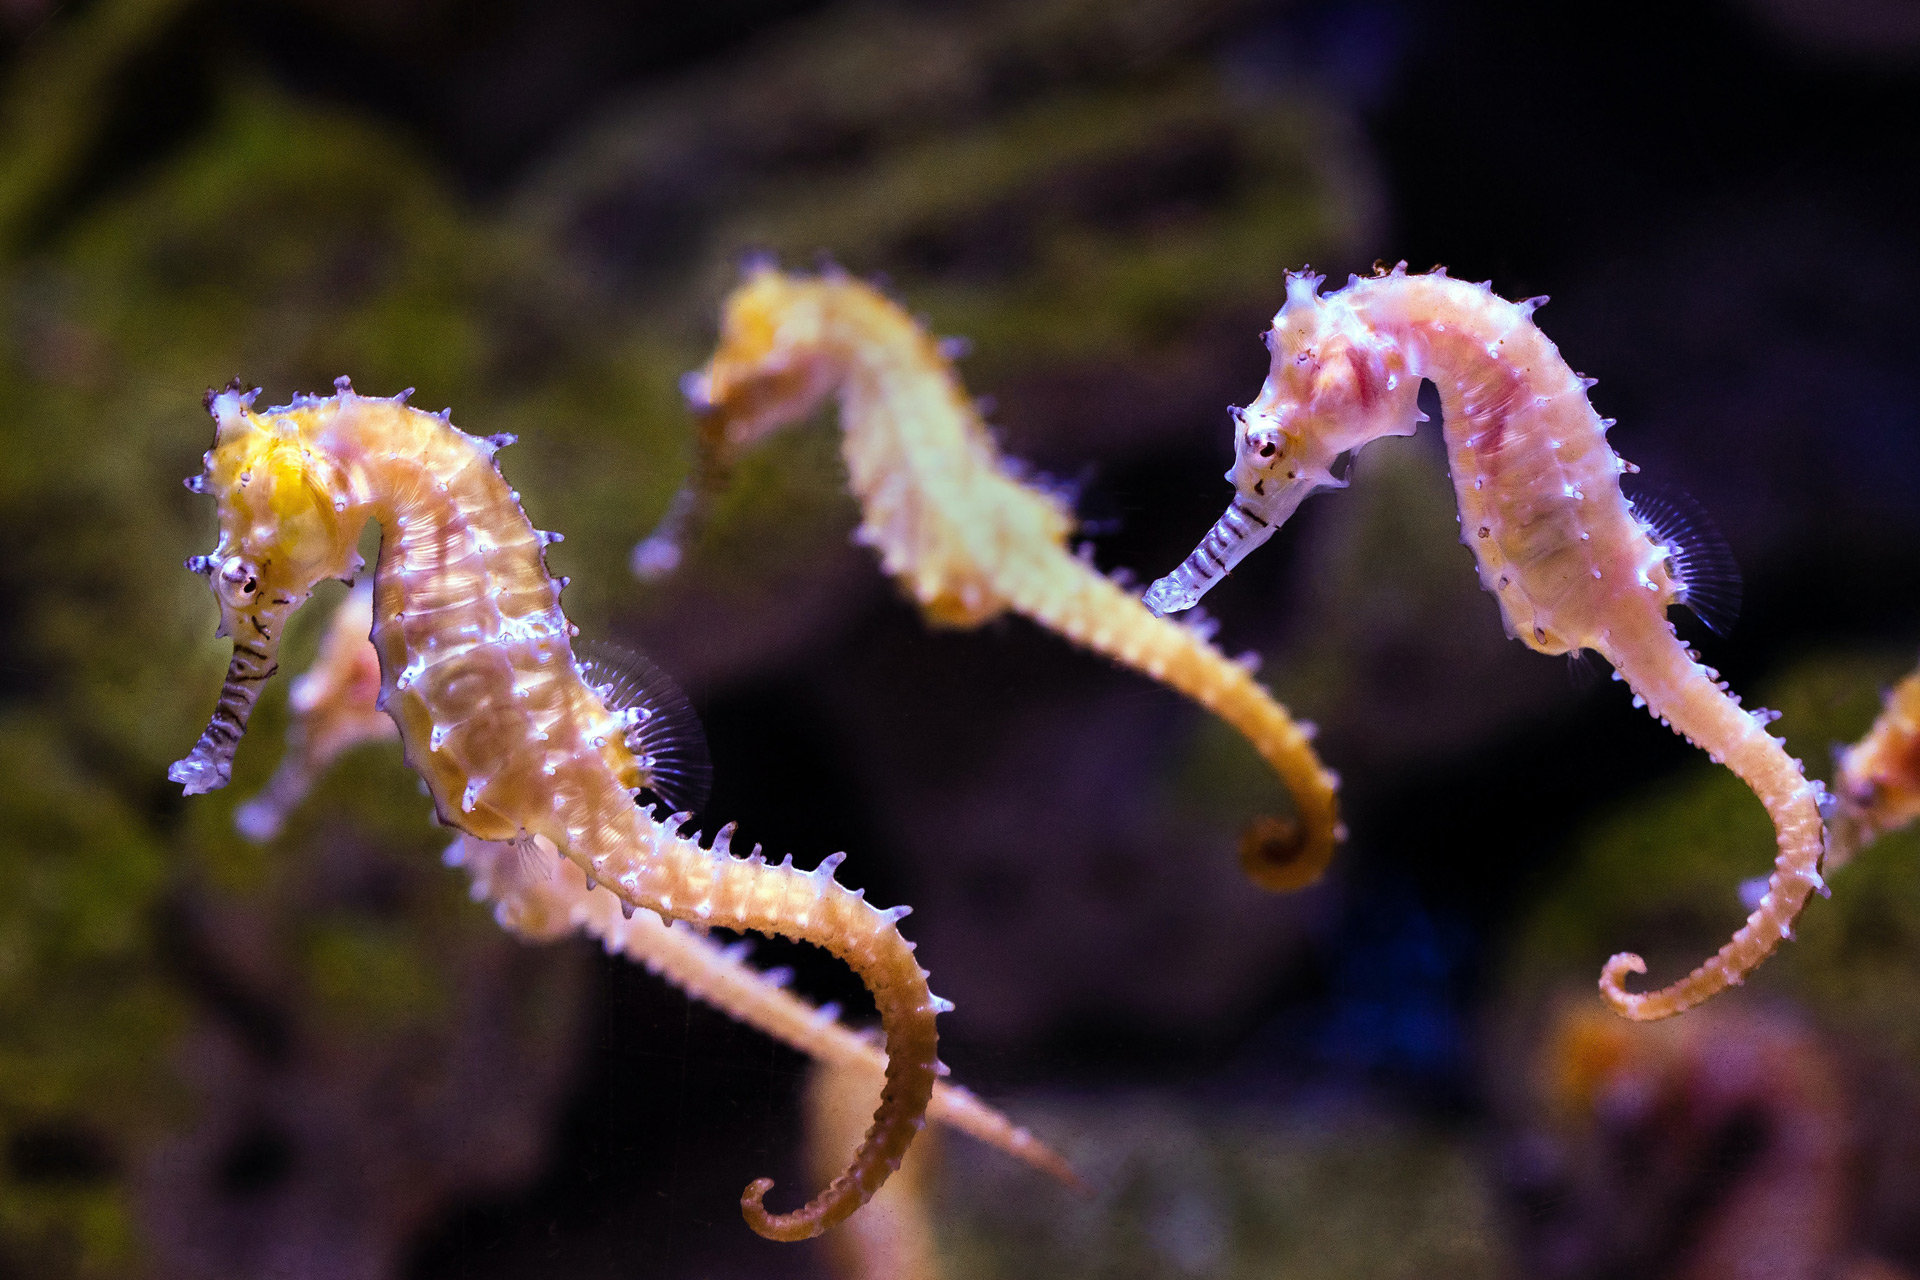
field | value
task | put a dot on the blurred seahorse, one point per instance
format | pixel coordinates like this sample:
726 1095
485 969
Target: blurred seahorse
542 897
478 672
1571 561
955 525
1878 785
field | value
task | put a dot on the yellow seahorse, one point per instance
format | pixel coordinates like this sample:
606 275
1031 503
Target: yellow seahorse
1878 784
541 897
1562 549
952 522
478 672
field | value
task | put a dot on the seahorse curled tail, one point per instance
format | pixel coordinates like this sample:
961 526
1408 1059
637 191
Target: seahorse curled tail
1685 695
677 877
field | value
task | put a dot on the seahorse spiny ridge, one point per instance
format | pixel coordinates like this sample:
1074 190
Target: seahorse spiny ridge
954 524
1557 542
478 672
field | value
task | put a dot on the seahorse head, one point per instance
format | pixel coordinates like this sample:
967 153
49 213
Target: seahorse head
774 363
1335 383
282 529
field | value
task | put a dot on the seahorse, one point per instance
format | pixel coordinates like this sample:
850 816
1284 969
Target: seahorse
953 522
1878 785
477 670
541 897
1560 546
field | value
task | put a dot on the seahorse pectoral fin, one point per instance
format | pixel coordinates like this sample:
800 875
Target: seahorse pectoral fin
209 766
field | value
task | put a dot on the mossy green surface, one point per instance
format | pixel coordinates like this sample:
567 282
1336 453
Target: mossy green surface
1191 1192
287 245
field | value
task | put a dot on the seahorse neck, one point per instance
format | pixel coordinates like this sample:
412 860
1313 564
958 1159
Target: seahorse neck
461 571
906 417
1462 337
452 530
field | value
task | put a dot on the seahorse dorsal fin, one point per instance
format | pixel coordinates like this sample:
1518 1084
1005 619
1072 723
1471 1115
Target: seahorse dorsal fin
1700 558
669 741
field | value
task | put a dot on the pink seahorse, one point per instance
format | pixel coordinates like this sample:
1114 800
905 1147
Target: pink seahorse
1563 550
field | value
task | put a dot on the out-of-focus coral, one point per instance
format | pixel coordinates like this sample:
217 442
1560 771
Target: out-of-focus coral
1878 777
1718 1145
86 1016
1181 1191
370 1048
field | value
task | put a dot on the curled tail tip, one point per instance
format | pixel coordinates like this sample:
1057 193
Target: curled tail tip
1285 855
1640 1007
802 1224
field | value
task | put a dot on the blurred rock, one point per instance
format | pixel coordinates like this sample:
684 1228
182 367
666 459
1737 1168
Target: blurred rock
1180 1190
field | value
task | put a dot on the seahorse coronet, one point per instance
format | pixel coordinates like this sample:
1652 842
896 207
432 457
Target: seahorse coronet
472 642
1556 542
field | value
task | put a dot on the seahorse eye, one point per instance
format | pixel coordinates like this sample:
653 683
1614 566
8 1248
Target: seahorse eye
1267 449
239 580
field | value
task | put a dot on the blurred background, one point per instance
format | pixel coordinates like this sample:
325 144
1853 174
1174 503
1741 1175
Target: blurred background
319 1059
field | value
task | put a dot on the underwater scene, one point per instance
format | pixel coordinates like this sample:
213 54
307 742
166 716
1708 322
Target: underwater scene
959 640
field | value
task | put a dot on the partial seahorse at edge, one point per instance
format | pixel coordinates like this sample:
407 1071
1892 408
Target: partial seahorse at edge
1877 784
1560 546
478 672
955 525
542 898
